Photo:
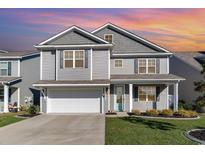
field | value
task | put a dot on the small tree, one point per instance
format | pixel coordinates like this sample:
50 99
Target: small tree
200 87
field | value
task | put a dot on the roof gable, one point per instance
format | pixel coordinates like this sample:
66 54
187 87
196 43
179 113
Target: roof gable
79 36
131 36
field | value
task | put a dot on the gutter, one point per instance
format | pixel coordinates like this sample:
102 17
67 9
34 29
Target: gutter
71 46
68 85
19 57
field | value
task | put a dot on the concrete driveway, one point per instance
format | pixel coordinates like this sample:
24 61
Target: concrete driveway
56 129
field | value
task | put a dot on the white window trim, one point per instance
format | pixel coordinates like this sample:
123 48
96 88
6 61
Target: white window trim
7 69
73 59
147 66
19 68
112 37
118 59
147 101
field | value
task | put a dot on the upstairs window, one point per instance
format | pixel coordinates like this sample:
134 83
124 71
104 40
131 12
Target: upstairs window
108 38
147 66
151 66
142 66
5 68
74 59
118 63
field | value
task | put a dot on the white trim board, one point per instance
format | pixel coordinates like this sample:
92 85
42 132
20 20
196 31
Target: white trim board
73 46
19 68
41 66
141 54
147 79
68 85
130 34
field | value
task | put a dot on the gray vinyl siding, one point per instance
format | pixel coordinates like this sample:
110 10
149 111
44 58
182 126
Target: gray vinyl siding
191 74
100 60
48 65
14 67
163 66
71 38
162 104
129 66
30 73
13 94
73 73
122 43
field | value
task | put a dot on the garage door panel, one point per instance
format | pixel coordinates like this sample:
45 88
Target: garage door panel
74 101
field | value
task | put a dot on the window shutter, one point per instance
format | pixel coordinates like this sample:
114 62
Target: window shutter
86 58
136 66
61 59
135 93
112 89
158 93
9 68
158 65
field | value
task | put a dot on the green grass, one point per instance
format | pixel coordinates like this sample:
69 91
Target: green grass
8 118
133 130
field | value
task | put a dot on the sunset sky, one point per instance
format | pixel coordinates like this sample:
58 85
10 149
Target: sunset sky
174 29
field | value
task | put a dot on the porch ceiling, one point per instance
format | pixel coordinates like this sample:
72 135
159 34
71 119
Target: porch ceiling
147 78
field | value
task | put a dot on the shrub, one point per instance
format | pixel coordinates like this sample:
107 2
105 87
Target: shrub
193 113
185 113
152 112
167 113
23 107
136 112
185 105
33 109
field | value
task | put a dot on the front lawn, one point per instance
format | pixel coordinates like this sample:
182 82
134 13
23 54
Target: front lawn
8 118
133 130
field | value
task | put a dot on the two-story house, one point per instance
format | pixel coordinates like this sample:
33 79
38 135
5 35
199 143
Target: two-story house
18 71
109 69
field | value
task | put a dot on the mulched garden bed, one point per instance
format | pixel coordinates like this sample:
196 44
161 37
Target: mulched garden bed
199 134
111 113
26 115
161 116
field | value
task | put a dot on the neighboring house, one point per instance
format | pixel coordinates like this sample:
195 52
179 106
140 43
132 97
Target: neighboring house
109 69
18 71
187 65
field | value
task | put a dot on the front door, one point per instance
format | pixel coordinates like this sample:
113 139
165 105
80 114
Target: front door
119 101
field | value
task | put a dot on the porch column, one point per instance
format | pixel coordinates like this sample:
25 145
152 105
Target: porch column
131 96
108 98
6 98
176 85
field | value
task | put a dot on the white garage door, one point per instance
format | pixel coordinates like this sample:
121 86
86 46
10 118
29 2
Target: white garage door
74 101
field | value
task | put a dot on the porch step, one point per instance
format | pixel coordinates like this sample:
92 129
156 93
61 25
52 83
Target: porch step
122 114
119 114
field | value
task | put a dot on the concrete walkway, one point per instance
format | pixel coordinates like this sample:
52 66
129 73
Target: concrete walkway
56 129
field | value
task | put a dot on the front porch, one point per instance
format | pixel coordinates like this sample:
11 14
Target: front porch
125 95
9 94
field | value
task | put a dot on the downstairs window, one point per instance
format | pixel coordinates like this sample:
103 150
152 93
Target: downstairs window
147 93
